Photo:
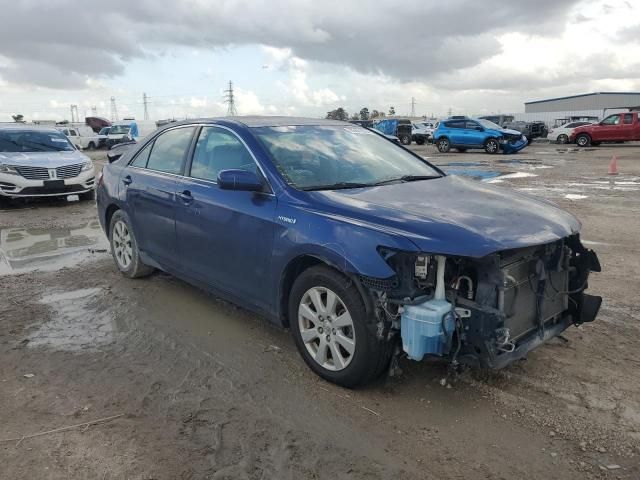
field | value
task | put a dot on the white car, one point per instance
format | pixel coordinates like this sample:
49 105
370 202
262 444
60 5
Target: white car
561 134
37 162
82 136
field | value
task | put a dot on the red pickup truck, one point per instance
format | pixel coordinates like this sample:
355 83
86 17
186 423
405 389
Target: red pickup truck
619 127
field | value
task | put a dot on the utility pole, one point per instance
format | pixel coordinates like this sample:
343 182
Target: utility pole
75 116
413 106
146 109
114 110
449 112
230 101
94 111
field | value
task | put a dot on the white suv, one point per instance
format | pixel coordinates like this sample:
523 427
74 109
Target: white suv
37 161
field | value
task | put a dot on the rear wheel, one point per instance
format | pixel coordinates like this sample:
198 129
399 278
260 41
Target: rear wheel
92 146
563 138
332 330
124 247
405 139
443 145
491 146
583 140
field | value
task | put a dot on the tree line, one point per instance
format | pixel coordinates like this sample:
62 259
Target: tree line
364 114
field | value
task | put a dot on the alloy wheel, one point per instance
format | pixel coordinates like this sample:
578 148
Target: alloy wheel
121 242
326 328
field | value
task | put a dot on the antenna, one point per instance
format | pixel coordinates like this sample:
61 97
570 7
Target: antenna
413 106
146 109
114 110
230 101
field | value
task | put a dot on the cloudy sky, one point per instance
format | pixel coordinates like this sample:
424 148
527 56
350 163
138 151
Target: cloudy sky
306 57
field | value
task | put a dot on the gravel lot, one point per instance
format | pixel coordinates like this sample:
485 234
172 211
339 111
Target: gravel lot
203 389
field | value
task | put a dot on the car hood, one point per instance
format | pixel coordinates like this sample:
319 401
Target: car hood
508 131
43 159
451 215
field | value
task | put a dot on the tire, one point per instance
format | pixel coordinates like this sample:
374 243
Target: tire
405 139
420 141
120 237
583 140
318 337
443 145
461 150
563 138
88 196
491 146
91 146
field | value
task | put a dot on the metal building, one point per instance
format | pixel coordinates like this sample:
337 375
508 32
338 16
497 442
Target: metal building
598 104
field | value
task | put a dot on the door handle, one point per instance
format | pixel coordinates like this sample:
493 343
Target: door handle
127 180
186 196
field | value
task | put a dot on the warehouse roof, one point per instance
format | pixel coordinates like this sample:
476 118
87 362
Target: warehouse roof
581 95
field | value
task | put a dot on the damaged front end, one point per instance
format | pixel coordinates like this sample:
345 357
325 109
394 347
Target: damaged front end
485 312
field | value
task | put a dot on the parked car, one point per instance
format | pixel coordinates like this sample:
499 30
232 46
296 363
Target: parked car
464 133
561 134
82 136
38 161
530 130
619 127
356 244
103 136
397 127
421 132
129 129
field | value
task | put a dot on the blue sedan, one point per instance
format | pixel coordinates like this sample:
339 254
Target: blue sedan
366 251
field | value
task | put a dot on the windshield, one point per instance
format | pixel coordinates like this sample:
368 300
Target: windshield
488 124
104 131
19 140
317 157
119 130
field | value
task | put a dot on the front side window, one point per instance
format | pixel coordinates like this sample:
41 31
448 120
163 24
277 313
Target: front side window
330 157
119 130
73 133
217 150
18 140
472 125
611 120
488 124
169 150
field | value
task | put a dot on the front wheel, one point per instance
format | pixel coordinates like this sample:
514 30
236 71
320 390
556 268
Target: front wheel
583 140
124 247
563 138
405 139
492 146
332 329
443 145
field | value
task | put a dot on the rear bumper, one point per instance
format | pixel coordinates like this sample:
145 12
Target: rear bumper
18 186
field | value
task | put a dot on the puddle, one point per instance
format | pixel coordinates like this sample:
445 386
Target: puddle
76 324
29 249
575 196
510 176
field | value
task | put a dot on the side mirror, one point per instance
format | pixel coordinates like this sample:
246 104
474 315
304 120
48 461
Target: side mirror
114 155
242 180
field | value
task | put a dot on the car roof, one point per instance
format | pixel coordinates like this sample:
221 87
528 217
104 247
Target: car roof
30 127
266 121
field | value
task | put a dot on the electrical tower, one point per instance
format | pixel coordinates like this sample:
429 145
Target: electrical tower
75 117
449 112
145 100
114 110
230 101
413 106
94 111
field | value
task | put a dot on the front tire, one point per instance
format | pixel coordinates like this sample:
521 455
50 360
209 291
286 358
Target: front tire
583 140
124 247
405 139
332 329
491 146
443 145
91 146
563 139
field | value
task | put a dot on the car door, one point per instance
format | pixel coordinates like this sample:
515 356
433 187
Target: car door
608 129
456 132
225 237
150 182
626 127
474 134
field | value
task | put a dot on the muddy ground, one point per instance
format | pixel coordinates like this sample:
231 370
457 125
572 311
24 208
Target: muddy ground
203 389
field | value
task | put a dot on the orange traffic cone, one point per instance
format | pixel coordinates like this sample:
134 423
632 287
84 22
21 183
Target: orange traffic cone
613 166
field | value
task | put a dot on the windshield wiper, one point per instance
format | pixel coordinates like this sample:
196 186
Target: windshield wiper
338 186
408 178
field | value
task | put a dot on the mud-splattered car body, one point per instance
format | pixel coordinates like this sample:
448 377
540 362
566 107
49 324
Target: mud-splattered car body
511 266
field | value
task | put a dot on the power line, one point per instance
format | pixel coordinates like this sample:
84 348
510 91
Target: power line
230 101
114 110
146 110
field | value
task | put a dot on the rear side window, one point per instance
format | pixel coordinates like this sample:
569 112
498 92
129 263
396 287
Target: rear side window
455 124
217 150
628 118
169 150
471 125
142 157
